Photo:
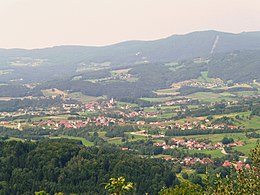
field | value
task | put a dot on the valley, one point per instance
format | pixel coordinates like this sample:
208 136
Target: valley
184 111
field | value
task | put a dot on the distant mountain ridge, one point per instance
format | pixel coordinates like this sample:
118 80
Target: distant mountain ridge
60 61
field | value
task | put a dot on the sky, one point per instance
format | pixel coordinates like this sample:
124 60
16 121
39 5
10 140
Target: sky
45 23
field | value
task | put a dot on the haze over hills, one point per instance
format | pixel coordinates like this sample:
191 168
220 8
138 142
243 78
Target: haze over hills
68 60
152 65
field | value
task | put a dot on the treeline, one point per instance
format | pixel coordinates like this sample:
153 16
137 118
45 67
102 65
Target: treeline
12 90
253 135
141 103
16 104
27 134
256 110
177 132
90 132
187 90
63 166
119 131
221 108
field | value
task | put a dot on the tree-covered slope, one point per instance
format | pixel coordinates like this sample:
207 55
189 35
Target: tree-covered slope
64 166
239 66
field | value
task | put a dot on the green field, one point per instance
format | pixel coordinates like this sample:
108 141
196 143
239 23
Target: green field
83 98
170 91
211 97
83 140
246 93
92 66
3 72
213 153
118 140
166 115
204 77
253 123
150 109
126 103
53 92
162 99
249 143
57 117
172 64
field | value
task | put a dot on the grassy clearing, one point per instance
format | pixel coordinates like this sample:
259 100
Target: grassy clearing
232 114
118 140
15 139
172 64
253 123
167 115
246 93
213 153
215 138
211 97
83 140
169 107
163 99
92 66
170 91
126 103
246 123
247 148
132 79
83 98
151 109
57 118
204 77
193 106
53 92
8 71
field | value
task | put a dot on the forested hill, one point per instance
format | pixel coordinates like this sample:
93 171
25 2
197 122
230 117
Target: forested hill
55 62
64 166
239 66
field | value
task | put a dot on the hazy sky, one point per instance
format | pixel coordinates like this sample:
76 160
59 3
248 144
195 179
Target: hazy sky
42 23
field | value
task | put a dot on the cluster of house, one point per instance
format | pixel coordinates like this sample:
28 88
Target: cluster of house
139 113
192 161
68 107
98 121
104 105
194 83
192 144
238 165
187 161
196 125
122 76
119 76
176 102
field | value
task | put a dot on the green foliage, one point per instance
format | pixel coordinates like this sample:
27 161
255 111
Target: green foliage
185 187
244 181
226 140
119 186
63 165
256 111
41 193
